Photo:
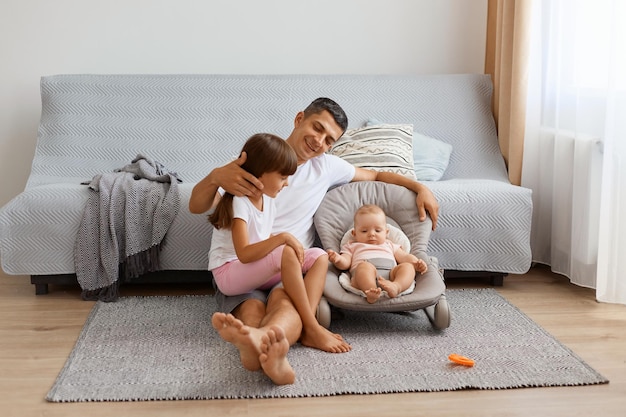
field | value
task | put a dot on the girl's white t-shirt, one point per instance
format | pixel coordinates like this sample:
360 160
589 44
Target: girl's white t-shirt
259 228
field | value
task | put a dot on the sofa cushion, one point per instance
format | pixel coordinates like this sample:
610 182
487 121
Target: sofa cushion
430 156
379 148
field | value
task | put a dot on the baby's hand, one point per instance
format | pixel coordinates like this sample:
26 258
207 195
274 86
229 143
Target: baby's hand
420 266
332 255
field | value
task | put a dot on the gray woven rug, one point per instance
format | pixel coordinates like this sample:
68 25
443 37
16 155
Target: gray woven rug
164 348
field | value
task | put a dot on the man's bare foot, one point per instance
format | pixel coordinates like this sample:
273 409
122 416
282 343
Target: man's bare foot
323 339
246 339
273 357
391 287
372 295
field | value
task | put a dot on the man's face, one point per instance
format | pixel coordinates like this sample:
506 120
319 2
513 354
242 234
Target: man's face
313 135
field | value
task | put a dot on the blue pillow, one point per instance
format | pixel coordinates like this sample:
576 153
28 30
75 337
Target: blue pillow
430 156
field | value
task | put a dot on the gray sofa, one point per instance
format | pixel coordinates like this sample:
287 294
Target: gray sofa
92 124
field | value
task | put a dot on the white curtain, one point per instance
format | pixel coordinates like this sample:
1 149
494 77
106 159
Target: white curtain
575 141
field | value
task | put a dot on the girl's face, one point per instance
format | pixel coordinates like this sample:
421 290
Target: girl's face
273 182
371 228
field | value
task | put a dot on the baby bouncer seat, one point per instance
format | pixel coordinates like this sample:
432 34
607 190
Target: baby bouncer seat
334 219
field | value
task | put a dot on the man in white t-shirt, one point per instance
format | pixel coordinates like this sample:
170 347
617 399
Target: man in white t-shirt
264 325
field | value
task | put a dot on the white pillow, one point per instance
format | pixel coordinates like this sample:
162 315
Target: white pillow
379 147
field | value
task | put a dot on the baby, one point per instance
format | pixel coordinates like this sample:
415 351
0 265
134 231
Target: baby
375 262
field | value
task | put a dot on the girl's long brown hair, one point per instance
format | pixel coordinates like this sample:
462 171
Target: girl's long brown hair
265 153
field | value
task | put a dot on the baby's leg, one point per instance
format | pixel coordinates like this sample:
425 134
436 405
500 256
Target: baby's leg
364 278
400 278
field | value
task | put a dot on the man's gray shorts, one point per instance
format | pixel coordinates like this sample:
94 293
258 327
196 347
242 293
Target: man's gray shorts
227 303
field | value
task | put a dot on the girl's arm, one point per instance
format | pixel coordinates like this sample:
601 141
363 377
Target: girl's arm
247 252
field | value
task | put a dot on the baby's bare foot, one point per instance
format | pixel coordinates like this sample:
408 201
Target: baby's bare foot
273 357
246 339
372 295
391 287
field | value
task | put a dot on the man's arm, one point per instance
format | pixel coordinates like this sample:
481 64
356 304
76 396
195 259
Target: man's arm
425 200
231 177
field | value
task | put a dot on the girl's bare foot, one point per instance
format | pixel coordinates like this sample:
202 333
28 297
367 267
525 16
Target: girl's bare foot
323 339
391 287
246 339
372 295
273 357
421 266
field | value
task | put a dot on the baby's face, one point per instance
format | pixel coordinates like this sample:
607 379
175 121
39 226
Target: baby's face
371 228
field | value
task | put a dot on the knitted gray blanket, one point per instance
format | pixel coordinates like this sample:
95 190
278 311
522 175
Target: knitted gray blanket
124 225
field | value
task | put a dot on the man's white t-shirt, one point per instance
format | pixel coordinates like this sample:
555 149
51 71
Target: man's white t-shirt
259 228
297 203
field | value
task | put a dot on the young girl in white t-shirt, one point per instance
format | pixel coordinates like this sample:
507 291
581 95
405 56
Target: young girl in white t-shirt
244 255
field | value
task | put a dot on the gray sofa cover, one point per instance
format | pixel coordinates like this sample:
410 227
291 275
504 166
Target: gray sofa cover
92 124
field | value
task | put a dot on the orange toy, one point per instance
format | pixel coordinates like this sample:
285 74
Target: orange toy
461 360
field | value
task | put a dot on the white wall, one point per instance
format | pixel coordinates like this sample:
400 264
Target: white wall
44 37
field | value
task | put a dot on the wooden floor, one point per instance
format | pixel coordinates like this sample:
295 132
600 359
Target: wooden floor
37 334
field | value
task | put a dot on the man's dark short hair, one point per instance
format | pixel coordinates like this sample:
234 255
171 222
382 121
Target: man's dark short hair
323 103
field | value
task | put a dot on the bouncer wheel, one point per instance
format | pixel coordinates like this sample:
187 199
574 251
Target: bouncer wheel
323 313
439 314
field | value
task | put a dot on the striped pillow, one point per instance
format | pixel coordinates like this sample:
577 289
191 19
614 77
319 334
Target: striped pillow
380 147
